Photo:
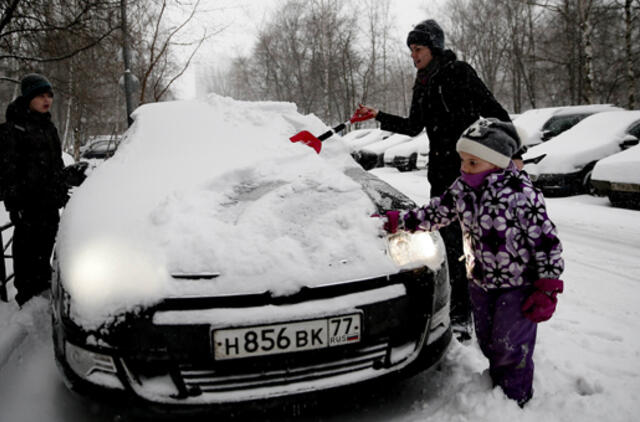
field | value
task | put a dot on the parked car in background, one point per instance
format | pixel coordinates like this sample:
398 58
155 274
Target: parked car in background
360 138
184 279
542 124
618 176
100 147
357 134
372 155
404 157
564 164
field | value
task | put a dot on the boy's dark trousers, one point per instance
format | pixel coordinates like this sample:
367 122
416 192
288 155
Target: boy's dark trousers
34 235
506 338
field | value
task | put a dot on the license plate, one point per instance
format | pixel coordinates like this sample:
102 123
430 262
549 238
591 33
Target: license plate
287 337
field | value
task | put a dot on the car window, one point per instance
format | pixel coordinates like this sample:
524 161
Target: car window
559 124
635 130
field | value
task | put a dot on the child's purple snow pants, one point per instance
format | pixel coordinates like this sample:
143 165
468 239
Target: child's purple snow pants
506 338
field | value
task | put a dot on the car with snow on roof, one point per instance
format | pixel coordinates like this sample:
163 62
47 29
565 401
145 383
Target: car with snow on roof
564 165
185 279
372 155
405 156
542 124
618 177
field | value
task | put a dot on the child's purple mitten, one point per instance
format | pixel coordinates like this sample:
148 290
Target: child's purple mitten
541 305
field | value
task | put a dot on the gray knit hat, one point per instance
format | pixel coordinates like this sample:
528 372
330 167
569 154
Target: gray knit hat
427 33
492 140
34 84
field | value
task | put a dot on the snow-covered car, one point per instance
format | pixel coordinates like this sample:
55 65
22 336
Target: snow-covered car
542 124
372 155
618 176
404 157
361 138
183 278
564 164
100 148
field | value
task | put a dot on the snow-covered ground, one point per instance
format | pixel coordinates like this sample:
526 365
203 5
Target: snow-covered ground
587 356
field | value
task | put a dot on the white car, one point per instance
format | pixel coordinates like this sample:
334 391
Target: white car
360 138
212 261
404 157
564 164
372 155
542 124
618 176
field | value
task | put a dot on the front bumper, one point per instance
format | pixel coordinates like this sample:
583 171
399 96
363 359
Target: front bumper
559 184
158 358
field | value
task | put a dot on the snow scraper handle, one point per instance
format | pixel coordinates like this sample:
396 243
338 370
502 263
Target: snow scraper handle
316 142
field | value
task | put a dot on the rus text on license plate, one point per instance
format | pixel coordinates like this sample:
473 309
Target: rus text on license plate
287 337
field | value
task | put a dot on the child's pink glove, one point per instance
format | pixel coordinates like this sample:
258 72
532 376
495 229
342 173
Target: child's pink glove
391 223
541 304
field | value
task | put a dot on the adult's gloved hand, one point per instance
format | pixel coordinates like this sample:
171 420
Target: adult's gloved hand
541 305
363 113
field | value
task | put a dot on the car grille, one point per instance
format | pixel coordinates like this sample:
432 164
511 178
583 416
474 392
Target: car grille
208 380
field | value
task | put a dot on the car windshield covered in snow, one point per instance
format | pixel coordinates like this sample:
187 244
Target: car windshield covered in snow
210 242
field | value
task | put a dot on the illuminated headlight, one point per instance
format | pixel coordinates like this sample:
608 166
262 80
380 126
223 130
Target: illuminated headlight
106 276
413 249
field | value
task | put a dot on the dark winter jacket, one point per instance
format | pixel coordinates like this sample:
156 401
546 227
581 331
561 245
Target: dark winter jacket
31 167
509 240
448 96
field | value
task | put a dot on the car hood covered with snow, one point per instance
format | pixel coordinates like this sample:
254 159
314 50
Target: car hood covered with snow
215 187
592 139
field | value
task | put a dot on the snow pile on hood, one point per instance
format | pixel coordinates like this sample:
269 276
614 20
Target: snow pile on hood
216 187
623 167
594 138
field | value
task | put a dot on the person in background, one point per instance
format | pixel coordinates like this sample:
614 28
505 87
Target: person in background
448 96
512 249
33 186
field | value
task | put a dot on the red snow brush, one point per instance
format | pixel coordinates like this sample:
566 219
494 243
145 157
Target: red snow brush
314 142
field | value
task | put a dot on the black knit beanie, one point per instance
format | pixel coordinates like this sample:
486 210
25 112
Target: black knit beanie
427 33
33 85
492 140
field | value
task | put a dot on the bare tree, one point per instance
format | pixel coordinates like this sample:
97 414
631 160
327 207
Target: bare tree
26 24
157 66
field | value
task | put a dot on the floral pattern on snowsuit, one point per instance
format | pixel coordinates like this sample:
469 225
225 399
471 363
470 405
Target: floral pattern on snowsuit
509 240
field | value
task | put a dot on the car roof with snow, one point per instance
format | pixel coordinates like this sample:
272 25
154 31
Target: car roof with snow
594 138
533 120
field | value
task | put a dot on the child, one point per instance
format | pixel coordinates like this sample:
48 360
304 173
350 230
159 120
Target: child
33 186
511 248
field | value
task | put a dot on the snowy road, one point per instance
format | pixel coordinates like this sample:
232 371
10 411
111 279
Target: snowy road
587 357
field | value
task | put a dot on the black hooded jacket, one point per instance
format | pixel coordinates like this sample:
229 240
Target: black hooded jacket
31 166
448 96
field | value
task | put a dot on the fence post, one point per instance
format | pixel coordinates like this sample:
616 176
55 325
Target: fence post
3 273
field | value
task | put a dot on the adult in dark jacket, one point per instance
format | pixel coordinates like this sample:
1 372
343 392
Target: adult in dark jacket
33 186
448 96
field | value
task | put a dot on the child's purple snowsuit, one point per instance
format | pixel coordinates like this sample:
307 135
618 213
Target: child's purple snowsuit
509 243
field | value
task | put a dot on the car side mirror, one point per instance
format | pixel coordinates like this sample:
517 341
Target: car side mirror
534 160
628 141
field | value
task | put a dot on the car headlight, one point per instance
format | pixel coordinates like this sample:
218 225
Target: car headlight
108 277
416 249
